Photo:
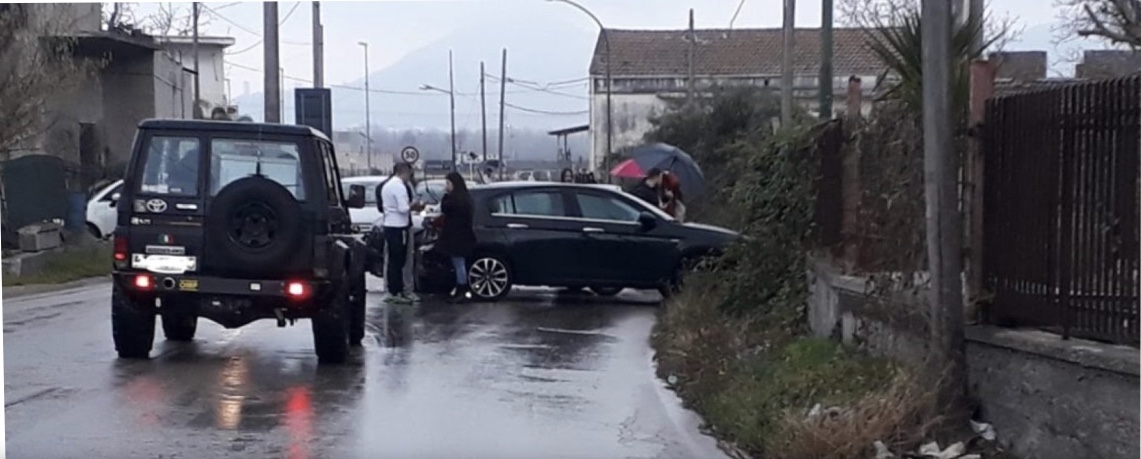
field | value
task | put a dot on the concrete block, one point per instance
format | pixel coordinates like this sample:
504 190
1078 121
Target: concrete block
40 236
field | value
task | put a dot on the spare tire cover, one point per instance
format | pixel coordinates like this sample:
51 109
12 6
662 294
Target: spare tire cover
254 223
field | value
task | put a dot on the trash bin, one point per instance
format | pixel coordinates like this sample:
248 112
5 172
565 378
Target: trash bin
76 212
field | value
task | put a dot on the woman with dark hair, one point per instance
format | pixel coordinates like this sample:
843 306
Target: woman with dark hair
457 238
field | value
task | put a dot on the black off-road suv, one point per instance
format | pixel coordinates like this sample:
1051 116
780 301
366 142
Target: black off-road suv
235 222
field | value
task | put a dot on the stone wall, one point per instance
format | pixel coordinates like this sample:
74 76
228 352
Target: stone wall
1048 398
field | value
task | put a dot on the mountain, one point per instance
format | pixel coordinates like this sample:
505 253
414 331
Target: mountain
543 51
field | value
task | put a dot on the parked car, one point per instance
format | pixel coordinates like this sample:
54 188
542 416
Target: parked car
572 235
101 209
235 222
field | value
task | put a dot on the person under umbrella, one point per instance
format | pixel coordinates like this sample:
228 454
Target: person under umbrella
671 196
649 188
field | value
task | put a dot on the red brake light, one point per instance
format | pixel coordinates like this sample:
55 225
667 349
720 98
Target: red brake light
296 289
120 248
143 282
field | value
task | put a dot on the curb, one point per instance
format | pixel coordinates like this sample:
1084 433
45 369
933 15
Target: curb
19 291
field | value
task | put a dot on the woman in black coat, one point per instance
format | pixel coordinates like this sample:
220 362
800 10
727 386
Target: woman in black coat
457 238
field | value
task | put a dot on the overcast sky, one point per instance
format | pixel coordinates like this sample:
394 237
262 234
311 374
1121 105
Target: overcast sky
396 28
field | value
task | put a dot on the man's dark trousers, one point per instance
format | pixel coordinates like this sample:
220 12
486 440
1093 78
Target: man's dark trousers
394 240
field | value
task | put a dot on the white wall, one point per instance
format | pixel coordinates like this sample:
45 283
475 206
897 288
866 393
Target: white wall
212 75
631 120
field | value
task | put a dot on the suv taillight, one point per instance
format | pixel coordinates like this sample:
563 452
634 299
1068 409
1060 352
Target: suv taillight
120 248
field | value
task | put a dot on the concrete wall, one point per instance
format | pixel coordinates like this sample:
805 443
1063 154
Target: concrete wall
129 97
1056 399
1048 398
173 88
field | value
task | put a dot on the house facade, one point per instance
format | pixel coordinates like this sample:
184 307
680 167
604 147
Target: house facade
211 61
651 67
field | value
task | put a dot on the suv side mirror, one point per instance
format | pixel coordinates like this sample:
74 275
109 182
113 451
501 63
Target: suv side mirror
356 197
114 199
647 220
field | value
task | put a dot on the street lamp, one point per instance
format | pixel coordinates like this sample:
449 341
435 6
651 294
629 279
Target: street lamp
452 96
609 122
367 109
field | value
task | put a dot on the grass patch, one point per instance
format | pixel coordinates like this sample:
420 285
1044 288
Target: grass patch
69 264
755 382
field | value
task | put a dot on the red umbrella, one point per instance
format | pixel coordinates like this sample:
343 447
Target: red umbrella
628 169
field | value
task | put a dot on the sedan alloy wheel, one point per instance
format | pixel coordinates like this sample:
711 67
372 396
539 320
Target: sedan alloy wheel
489 278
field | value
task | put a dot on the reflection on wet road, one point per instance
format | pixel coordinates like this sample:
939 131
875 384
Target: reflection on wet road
540 375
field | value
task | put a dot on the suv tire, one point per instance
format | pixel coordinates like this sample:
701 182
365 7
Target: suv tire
358 310
255 223
132 325
179 327
331 326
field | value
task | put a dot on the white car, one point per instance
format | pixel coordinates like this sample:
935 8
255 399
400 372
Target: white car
101 213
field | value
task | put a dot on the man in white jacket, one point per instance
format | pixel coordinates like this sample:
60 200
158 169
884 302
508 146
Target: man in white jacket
397 221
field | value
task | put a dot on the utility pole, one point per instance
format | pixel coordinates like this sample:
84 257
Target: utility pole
827 52
975 16
483 108
318 48
502 103
272 67
689 79
786 73
367 110
197 87
281 72
452 97
944 223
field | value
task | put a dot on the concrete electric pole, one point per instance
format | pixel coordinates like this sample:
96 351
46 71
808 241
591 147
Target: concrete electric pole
272 79
318 48
941 182
197 87
502 103
367 110
826 53
483 106
787 78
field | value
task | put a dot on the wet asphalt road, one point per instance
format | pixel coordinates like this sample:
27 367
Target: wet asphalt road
540 375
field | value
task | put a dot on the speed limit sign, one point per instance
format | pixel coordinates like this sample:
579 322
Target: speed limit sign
410 154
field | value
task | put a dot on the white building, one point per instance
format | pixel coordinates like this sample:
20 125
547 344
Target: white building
211 62
650 67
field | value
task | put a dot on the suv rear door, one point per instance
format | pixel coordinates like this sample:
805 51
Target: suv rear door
164 212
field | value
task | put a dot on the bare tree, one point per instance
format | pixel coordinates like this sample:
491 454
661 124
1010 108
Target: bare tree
173 19
1115 21
33 45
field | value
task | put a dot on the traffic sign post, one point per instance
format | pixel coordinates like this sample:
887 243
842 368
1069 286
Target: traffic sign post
410 154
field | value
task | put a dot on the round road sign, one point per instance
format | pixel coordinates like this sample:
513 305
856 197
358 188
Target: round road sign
410 154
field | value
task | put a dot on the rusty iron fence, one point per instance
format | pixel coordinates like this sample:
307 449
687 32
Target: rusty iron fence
1061 198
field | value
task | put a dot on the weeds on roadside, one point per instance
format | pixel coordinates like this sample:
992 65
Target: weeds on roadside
68 264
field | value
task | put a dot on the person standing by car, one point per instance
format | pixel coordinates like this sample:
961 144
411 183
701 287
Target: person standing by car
649 188
457 236
410 249
397 206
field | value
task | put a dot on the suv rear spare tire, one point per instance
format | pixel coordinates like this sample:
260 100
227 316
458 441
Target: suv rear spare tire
132 325
255 224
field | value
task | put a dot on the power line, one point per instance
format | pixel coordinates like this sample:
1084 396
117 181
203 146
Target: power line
546 112
244 28
355 88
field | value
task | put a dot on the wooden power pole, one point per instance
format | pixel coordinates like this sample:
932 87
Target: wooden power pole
826 53
944 222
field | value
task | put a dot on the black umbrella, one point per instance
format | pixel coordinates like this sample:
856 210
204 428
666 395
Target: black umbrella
670 158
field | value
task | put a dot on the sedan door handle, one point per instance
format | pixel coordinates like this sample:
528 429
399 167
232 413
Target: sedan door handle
591 229
517 226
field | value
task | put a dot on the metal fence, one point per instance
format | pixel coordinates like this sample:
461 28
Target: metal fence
1061 192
